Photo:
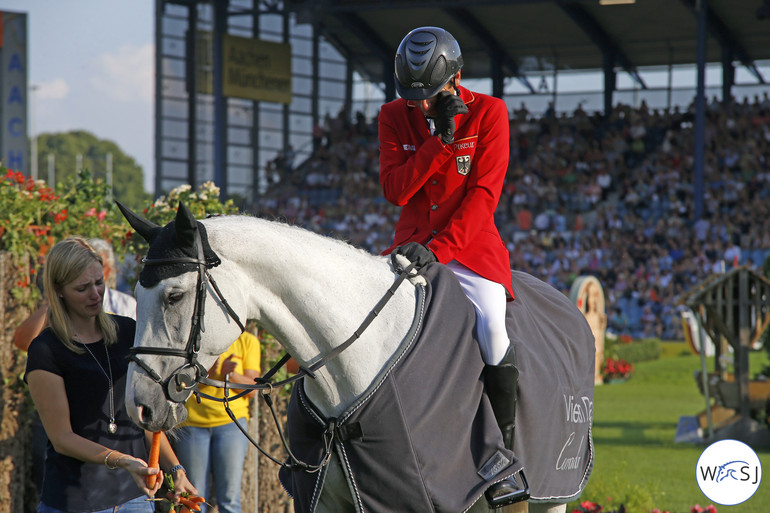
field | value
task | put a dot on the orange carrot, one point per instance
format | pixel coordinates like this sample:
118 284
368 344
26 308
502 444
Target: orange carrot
196 498
154 458
190 504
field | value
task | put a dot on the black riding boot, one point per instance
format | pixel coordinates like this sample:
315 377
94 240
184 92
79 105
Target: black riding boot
501 383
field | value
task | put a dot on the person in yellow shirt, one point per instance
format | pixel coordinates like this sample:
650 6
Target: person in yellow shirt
209 444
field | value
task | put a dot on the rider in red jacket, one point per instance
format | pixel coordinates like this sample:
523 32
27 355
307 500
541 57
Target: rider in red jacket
449 192
443 159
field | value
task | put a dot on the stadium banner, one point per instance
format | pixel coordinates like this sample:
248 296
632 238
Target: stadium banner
14 150
256 70
252 69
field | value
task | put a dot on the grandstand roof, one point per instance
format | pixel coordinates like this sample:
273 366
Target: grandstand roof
540 35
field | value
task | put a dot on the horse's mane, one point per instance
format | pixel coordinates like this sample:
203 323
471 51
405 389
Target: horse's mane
281 230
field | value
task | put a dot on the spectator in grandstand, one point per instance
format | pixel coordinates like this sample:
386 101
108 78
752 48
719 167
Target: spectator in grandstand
443 158
618 321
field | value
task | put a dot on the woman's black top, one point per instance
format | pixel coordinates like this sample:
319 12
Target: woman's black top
70 484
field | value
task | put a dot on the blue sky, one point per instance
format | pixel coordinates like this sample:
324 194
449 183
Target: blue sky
92 62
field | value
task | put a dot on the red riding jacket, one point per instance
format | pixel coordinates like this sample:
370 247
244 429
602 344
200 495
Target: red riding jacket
449 193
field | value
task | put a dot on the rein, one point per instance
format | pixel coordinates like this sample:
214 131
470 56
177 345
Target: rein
183 381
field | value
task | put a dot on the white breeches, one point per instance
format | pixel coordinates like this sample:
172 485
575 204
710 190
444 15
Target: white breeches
490 301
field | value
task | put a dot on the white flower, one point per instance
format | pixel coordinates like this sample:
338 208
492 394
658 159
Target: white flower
210 187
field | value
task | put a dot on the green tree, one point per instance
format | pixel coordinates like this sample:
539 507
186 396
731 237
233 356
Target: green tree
127 175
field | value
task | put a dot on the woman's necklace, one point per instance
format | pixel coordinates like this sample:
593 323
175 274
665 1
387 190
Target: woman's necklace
112 427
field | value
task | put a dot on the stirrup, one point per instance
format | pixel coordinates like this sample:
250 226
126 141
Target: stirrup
512 495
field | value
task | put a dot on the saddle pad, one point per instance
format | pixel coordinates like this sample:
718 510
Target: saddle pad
555 355
424 437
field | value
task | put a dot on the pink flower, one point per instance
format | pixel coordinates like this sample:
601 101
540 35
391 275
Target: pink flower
101 215
90 213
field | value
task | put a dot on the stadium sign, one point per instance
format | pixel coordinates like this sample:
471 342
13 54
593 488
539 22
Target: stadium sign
13 91
251 69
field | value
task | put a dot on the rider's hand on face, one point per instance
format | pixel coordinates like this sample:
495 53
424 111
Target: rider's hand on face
447 106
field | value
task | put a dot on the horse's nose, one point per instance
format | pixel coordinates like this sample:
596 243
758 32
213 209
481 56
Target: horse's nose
143 414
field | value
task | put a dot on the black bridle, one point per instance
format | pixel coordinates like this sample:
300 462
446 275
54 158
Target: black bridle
178 386
184 380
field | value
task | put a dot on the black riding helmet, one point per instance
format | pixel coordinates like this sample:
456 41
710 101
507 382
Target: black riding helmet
426 59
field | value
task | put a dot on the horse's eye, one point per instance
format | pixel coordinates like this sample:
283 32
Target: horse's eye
174 297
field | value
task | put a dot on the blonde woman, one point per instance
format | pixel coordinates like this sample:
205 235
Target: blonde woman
76 371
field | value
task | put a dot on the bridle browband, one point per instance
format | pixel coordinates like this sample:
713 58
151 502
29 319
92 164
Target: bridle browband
184 380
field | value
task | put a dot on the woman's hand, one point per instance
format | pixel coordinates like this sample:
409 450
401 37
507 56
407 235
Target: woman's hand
139 471
182 485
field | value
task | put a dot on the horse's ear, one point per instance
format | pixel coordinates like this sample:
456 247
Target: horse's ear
147 229
185 226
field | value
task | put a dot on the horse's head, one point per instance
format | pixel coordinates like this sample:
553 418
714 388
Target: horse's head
178 333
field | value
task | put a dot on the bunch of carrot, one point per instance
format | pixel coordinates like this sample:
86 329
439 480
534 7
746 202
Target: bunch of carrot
187 503
190 503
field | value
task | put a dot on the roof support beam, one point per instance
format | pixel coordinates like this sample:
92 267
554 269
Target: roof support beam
727 39
366 34
499 56
728 75
220 102
386 77
609 82
601 39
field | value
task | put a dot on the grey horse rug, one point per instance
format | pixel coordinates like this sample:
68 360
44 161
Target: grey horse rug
424 437
555 355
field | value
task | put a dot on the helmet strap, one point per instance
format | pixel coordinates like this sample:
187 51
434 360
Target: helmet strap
453 83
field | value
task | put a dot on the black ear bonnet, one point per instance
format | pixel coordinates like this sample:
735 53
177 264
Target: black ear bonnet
173 241
165 246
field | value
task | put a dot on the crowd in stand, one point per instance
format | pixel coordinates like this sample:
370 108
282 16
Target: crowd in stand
585 194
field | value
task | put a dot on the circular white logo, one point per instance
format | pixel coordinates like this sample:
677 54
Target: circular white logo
728 472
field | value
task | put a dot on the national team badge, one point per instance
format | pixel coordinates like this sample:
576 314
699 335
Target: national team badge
463 164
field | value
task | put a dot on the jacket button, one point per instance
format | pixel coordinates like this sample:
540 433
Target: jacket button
435 232
434 182
434 207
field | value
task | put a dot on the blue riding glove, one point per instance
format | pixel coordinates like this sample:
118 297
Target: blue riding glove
417 253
